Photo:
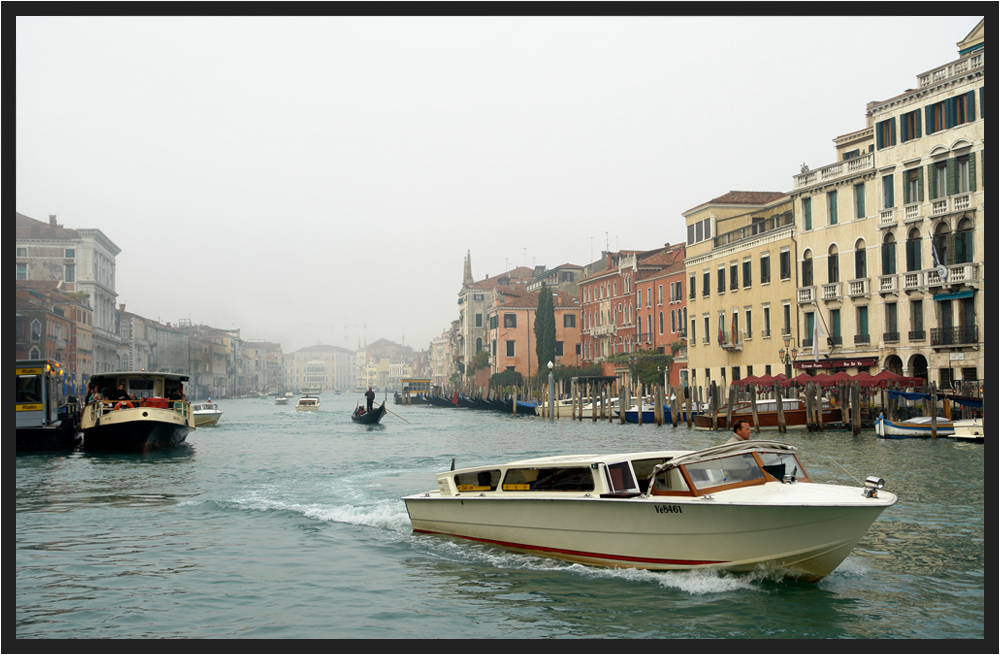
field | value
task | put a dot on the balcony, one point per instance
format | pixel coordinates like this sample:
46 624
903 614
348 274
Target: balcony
957 67
858 288
965 335
806 295
835 171
832 291
888 284
887 217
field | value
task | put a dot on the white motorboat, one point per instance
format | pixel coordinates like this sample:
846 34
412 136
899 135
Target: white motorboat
206 415
735 507
919 426
137 411
307 404
280 400
970 429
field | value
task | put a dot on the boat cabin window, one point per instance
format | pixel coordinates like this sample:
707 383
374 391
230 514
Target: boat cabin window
142 388
568 478
724 471
620 477
643 468
478 480
29 389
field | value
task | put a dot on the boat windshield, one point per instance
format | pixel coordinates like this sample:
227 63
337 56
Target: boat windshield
724 471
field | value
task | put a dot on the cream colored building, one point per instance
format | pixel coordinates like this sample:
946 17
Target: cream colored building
741 286
904 192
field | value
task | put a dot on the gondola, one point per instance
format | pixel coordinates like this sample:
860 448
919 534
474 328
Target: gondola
369 418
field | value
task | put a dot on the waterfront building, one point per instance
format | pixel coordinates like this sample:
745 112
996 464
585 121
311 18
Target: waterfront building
741 286
84 259
264 363
320 368
608 302
474 299
892 235
134 346
440 361
36 300
661 310
511 331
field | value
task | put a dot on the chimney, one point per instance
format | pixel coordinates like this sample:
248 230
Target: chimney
52 220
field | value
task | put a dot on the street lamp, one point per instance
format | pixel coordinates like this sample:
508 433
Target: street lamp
552 392
788 353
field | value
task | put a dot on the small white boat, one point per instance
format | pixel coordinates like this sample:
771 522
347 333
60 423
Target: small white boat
307 404
735 507
280 400
970 429
206 415
919 426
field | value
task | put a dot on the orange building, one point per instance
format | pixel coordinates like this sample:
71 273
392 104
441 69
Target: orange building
511 331
661 310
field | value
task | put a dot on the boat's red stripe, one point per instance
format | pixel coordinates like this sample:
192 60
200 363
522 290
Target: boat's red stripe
580 553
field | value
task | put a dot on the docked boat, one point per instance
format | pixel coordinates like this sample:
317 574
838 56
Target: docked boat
206 415
307 404
919 426
368 418
46 417
794 410
970 429
735 507
147 419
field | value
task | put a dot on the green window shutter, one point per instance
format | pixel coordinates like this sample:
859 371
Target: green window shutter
972 173
952 176
932 189
920 185
929 118
970 102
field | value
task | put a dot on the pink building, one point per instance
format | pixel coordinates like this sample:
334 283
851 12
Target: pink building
511 331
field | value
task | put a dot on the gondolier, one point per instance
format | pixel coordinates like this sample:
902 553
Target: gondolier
369 398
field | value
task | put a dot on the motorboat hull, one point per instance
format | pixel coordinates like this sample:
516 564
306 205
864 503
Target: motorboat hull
207 420
969 430
806 540
794 419
918 427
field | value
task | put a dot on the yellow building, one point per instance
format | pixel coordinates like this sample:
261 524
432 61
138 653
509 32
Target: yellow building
891 236
741 286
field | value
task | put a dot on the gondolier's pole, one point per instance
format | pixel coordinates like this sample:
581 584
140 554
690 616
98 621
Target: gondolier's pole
394 414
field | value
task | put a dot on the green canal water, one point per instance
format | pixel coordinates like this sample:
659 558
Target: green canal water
278 524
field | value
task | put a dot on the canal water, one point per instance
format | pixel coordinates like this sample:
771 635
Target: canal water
284 524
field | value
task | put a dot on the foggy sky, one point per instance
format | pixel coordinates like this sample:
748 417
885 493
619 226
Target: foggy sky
320 179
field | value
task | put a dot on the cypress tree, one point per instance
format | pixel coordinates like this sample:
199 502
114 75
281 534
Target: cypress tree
545 330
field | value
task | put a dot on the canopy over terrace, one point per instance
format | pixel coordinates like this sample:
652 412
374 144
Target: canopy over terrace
882 380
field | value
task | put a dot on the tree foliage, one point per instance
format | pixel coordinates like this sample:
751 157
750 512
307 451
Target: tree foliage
545 330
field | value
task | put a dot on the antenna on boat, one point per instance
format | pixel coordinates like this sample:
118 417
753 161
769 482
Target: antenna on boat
452 463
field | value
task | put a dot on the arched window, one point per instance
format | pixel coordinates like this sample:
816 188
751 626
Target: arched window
860 260
807 269
889 255
963 242
833 264
661 322
913 258
940 244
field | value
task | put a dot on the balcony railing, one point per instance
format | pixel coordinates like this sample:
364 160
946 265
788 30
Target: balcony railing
834 171
888 284
832 291
806 295
955 336
954 68
858 288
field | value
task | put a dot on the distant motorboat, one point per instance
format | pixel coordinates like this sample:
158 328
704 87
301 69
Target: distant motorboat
307 404
206 415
